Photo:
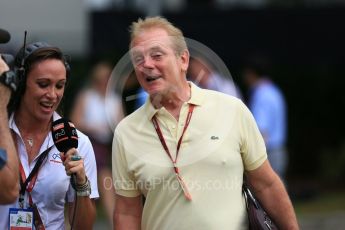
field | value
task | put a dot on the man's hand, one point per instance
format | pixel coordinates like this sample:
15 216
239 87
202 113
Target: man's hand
3 66
271 193
5 92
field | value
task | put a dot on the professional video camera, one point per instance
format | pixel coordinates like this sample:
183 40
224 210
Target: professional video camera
8 78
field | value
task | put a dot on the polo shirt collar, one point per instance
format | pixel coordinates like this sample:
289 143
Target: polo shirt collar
197 98
13 125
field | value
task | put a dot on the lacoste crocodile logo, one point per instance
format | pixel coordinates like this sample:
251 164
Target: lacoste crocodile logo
214 138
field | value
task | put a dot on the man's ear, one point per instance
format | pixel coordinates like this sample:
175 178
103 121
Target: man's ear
184 60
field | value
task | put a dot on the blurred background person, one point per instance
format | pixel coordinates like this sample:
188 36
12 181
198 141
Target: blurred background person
91 115
267 103
202 74
9 168
141 97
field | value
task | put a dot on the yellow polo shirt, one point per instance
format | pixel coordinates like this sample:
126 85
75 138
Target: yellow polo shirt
221 141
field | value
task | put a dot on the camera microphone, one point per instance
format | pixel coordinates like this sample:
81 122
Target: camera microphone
4 36
8 78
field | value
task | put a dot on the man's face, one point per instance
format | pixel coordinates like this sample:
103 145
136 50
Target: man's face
158 68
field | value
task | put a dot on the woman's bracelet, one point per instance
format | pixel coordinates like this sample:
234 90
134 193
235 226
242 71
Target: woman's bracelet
82 190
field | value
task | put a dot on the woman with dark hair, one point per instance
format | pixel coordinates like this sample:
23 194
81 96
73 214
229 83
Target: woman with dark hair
45 173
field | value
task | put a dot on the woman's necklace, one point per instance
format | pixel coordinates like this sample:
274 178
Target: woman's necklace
30 141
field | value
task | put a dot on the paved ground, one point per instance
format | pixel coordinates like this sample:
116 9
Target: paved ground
328 221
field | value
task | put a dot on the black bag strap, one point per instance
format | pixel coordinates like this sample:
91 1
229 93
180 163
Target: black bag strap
39 162
257 216
248 195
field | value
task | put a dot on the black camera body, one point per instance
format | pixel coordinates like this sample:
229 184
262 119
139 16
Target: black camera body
9 78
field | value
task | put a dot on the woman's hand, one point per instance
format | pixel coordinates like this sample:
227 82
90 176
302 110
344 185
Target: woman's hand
74 164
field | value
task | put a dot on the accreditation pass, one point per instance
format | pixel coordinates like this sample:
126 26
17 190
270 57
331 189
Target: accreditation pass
21 219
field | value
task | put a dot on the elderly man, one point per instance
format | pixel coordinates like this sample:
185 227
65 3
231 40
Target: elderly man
186 149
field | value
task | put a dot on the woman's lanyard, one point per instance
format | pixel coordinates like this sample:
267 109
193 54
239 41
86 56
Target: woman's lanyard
29 183
174 161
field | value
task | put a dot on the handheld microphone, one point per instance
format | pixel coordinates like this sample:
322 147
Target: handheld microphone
64 135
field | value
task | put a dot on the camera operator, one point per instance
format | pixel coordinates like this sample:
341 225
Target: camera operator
9 172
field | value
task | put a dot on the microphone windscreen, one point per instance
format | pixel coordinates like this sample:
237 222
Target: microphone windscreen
64 135
4 36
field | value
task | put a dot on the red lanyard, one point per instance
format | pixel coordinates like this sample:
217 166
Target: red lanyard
29 183
174 161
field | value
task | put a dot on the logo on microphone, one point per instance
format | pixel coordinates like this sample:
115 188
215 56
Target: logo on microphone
64 135
59 134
